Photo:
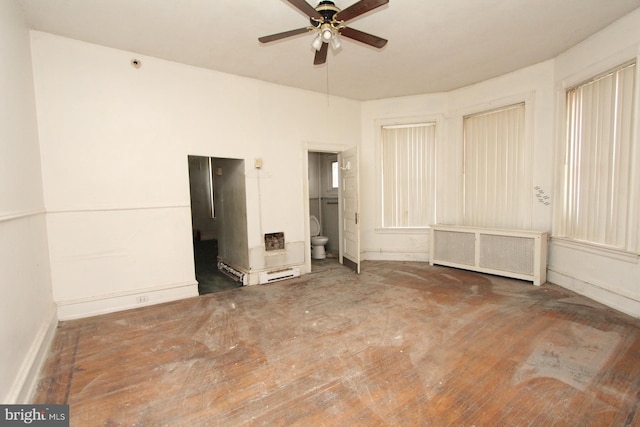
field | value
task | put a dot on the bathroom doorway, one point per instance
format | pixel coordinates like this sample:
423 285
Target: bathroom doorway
210 178
324 203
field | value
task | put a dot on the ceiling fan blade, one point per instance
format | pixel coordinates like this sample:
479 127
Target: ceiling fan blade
274 37
363 37
321 55
306 8
357 9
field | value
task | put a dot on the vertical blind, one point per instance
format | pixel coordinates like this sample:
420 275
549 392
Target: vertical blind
598 161
497 181
408 175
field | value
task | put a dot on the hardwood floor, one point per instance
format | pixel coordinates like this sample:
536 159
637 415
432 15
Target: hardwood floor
402 344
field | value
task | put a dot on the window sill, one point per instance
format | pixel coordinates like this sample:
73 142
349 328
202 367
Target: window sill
593 248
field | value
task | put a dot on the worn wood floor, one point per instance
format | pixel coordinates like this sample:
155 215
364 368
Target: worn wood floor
402 344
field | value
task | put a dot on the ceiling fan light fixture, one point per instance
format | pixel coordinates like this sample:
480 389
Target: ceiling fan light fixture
326 32
317 42
335 41
327 22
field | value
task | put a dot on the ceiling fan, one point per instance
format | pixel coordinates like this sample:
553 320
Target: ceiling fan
328 21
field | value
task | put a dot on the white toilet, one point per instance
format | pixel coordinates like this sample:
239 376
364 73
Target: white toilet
317 241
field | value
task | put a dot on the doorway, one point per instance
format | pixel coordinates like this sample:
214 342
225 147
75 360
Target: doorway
210 179
324 204
348 201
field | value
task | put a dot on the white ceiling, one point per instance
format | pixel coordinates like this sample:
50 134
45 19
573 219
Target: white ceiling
434 45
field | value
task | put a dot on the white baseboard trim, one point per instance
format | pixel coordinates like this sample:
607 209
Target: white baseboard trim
254 275
597 293
85 307
26 381
395 256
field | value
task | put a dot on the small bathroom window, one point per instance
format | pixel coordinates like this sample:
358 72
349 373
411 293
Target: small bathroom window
329 175
335 182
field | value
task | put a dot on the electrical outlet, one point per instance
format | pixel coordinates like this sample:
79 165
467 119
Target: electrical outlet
142 299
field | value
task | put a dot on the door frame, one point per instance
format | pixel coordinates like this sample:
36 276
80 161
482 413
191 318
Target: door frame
314 147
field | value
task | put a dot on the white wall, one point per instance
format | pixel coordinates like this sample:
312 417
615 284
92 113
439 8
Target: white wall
533 85
610 277
377 243
27 311
115 141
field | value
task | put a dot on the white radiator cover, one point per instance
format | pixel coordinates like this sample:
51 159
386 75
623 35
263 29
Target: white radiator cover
520 254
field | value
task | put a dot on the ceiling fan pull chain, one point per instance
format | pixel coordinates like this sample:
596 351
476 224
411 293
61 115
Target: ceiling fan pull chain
327 84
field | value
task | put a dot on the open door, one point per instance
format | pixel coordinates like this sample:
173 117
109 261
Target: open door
350 209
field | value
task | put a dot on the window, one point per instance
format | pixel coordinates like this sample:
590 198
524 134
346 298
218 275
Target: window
408 175
497 178
598 192
329 175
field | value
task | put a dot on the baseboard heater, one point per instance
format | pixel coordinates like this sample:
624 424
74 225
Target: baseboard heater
520 254
232 273
276 275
